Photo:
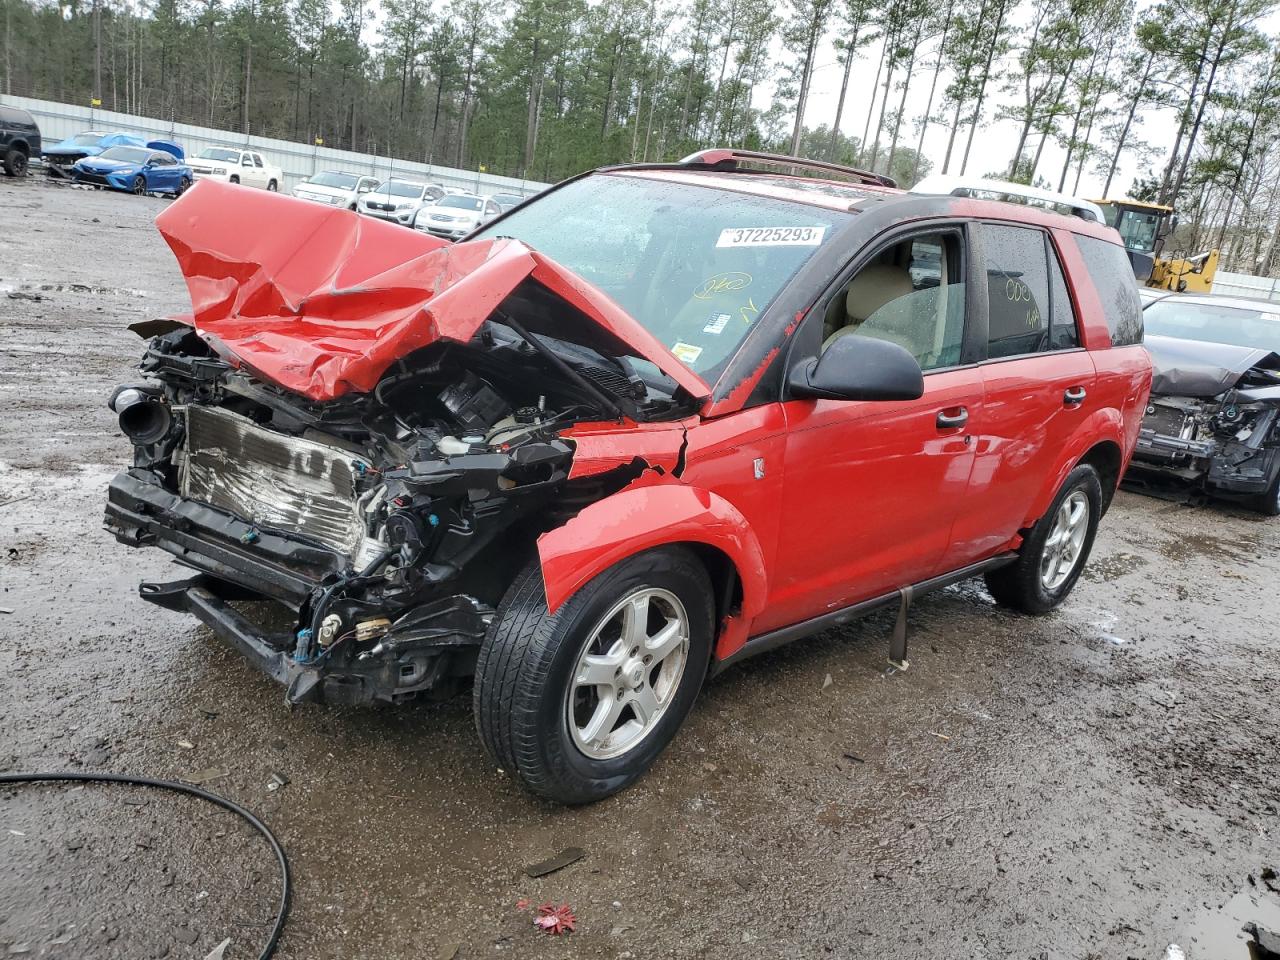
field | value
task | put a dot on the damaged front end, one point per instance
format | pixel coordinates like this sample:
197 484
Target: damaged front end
384 524
1213 421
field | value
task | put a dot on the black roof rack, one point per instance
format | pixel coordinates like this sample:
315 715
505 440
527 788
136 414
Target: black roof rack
729 159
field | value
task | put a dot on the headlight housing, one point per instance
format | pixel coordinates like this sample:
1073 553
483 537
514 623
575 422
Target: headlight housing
219 171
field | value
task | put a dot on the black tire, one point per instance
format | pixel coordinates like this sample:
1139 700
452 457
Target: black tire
15 162
1020 585
139 186
272 186
528 658
183 186
234 179
1268 504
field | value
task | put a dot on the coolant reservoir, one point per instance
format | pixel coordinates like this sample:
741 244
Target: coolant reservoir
452 446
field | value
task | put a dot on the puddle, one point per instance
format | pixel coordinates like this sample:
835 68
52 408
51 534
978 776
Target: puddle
1190 546
1217 934
1106 569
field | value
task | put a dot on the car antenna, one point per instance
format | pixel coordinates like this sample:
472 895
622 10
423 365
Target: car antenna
560 365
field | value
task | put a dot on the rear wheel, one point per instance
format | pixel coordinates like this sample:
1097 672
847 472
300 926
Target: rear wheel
1056 549
15 162
578 704
139 185
184 185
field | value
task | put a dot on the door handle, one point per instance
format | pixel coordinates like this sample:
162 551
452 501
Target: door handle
1073 396
952 417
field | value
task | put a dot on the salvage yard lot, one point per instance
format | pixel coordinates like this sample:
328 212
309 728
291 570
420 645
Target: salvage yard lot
1099 782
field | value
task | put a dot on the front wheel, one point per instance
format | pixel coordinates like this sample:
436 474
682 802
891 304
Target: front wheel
1056 550
578 704
139 186
15 162
234 179
183 185
1268 504
272 186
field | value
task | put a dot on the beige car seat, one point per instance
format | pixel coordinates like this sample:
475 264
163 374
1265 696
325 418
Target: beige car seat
875 285
882 302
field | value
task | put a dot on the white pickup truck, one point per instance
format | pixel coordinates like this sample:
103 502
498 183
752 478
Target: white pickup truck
236 166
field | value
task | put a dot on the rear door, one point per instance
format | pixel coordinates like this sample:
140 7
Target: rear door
1038 384
871 489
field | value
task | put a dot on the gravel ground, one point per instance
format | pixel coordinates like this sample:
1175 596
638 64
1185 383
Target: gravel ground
1101 782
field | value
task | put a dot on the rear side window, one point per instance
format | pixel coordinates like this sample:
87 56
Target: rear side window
1017 291
1112 276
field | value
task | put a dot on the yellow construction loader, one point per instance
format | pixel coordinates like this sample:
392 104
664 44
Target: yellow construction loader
1144 227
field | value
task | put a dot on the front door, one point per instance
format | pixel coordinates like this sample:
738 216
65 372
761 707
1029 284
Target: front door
871 489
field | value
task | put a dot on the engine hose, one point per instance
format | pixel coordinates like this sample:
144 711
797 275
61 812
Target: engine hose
282 911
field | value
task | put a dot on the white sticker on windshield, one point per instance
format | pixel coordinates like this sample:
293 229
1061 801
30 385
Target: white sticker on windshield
716 323
771 236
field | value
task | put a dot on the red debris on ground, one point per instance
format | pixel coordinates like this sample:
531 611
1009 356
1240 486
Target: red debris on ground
555 920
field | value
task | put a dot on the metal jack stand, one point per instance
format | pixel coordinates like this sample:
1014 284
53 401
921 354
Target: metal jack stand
898 644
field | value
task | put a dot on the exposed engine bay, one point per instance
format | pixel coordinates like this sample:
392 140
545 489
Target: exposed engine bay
1213 420
389 522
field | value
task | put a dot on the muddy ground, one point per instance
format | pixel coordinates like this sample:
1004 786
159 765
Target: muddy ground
1101 782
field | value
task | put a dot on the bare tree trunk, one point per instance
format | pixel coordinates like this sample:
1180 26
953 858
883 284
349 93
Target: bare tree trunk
849 53
815 34
986 77
871 105
933 89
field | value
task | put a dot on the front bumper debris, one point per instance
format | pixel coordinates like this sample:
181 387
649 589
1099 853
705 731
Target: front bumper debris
407 659
420 650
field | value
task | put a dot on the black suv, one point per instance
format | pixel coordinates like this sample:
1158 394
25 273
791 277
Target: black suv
19 140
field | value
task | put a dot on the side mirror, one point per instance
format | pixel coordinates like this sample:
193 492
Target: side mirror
859 368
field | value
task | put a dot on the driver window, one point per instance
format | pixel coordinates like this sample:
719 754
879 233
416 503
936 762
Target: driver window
911 294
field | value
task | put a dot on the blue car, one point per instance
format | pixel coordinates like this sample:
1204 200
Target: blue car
61 157
138 170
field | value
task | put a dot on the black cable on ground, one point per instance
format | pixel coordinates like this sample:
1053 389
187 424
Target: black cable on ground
285 886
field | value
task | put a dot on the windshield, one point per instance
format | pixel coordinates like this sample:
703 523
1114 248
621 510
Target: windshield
462 203
1241 326
218 153
400 188
696 266
1138 228
127 154
331 178
87 139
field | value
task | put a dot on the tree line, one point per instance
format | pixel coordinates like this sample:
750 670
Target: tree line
546 88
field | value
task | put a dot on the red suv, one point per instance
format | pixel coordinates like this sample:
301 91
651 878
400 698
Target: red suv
647 424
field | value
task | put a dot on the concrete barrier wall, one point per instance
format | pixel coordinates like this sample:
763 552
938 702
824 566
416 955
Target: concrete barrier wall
298 160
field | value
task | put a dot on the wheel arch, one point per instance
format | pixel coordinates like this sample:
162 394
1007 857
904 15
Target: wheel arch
1099 441
639 518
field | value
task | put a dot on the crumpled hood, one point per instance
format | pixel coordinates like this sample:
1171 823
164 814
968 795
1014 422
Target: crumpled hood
1194 368
322 302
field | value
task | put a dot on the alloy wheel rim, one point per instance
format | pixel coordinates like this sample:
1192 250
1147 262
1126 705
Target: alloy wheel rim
627 673
139 186
1065 543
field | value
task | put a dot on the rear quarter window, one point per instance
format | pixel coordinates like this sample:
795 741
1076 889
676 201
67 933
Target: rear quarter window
1112 276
